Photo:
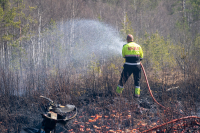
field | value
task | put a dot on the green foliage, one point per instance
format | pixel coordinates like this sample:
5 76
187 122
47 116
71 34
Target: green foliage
197 42
7 37
195 9
157 51
182 24
196 48
7 17
16 54
5 4
190 8
11 17
52 24
52 27
114 67
100 18
32 8
95 66
1 13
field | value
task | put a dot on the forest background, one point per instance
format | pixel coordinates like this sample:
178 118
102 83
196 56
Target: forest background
32 51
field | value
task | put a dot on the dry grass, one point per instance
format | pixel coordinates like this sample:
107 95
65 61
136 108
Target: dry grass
94 93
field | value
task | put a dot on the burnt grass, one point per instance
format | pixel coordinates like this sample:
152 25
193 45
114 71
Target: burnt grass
100 109
106 112
97 112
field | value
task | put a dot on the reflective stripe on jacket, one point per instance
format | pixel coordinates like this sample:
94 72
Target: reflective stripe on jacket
132 52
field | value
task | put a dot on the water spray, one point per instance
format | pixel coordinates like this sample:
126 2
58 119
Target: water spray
67 45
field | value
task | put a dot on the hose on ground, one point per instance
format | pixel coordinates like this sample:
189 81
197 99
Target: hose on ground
149 87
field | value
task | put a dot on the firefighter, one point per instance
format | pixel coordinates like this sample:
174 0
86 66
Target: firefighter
133 54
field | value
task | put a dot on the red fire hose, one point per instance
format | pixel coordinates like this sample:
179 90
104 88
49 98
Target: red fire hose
173 121
149 86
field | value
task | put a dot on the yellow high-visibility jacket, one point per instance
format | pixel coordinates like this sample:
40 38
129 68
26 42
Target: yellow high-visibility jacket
132 52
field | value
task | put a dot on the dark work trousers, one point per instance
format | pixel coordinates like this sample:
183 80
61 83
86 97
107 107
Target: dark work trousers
127 71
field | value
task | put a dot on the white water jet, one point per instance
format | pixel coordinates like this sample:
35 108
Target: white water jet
87 38
66 45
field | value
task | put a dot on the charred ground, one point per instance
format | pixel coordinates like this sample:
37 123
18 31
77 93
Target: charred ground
100 109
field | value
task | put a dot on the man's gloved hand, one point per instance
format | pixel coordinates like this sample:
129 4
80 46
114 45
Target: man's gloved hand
119 89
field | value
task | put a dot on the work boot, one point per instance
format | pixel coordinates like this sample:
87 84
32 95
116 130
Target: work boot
137 91
119 89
